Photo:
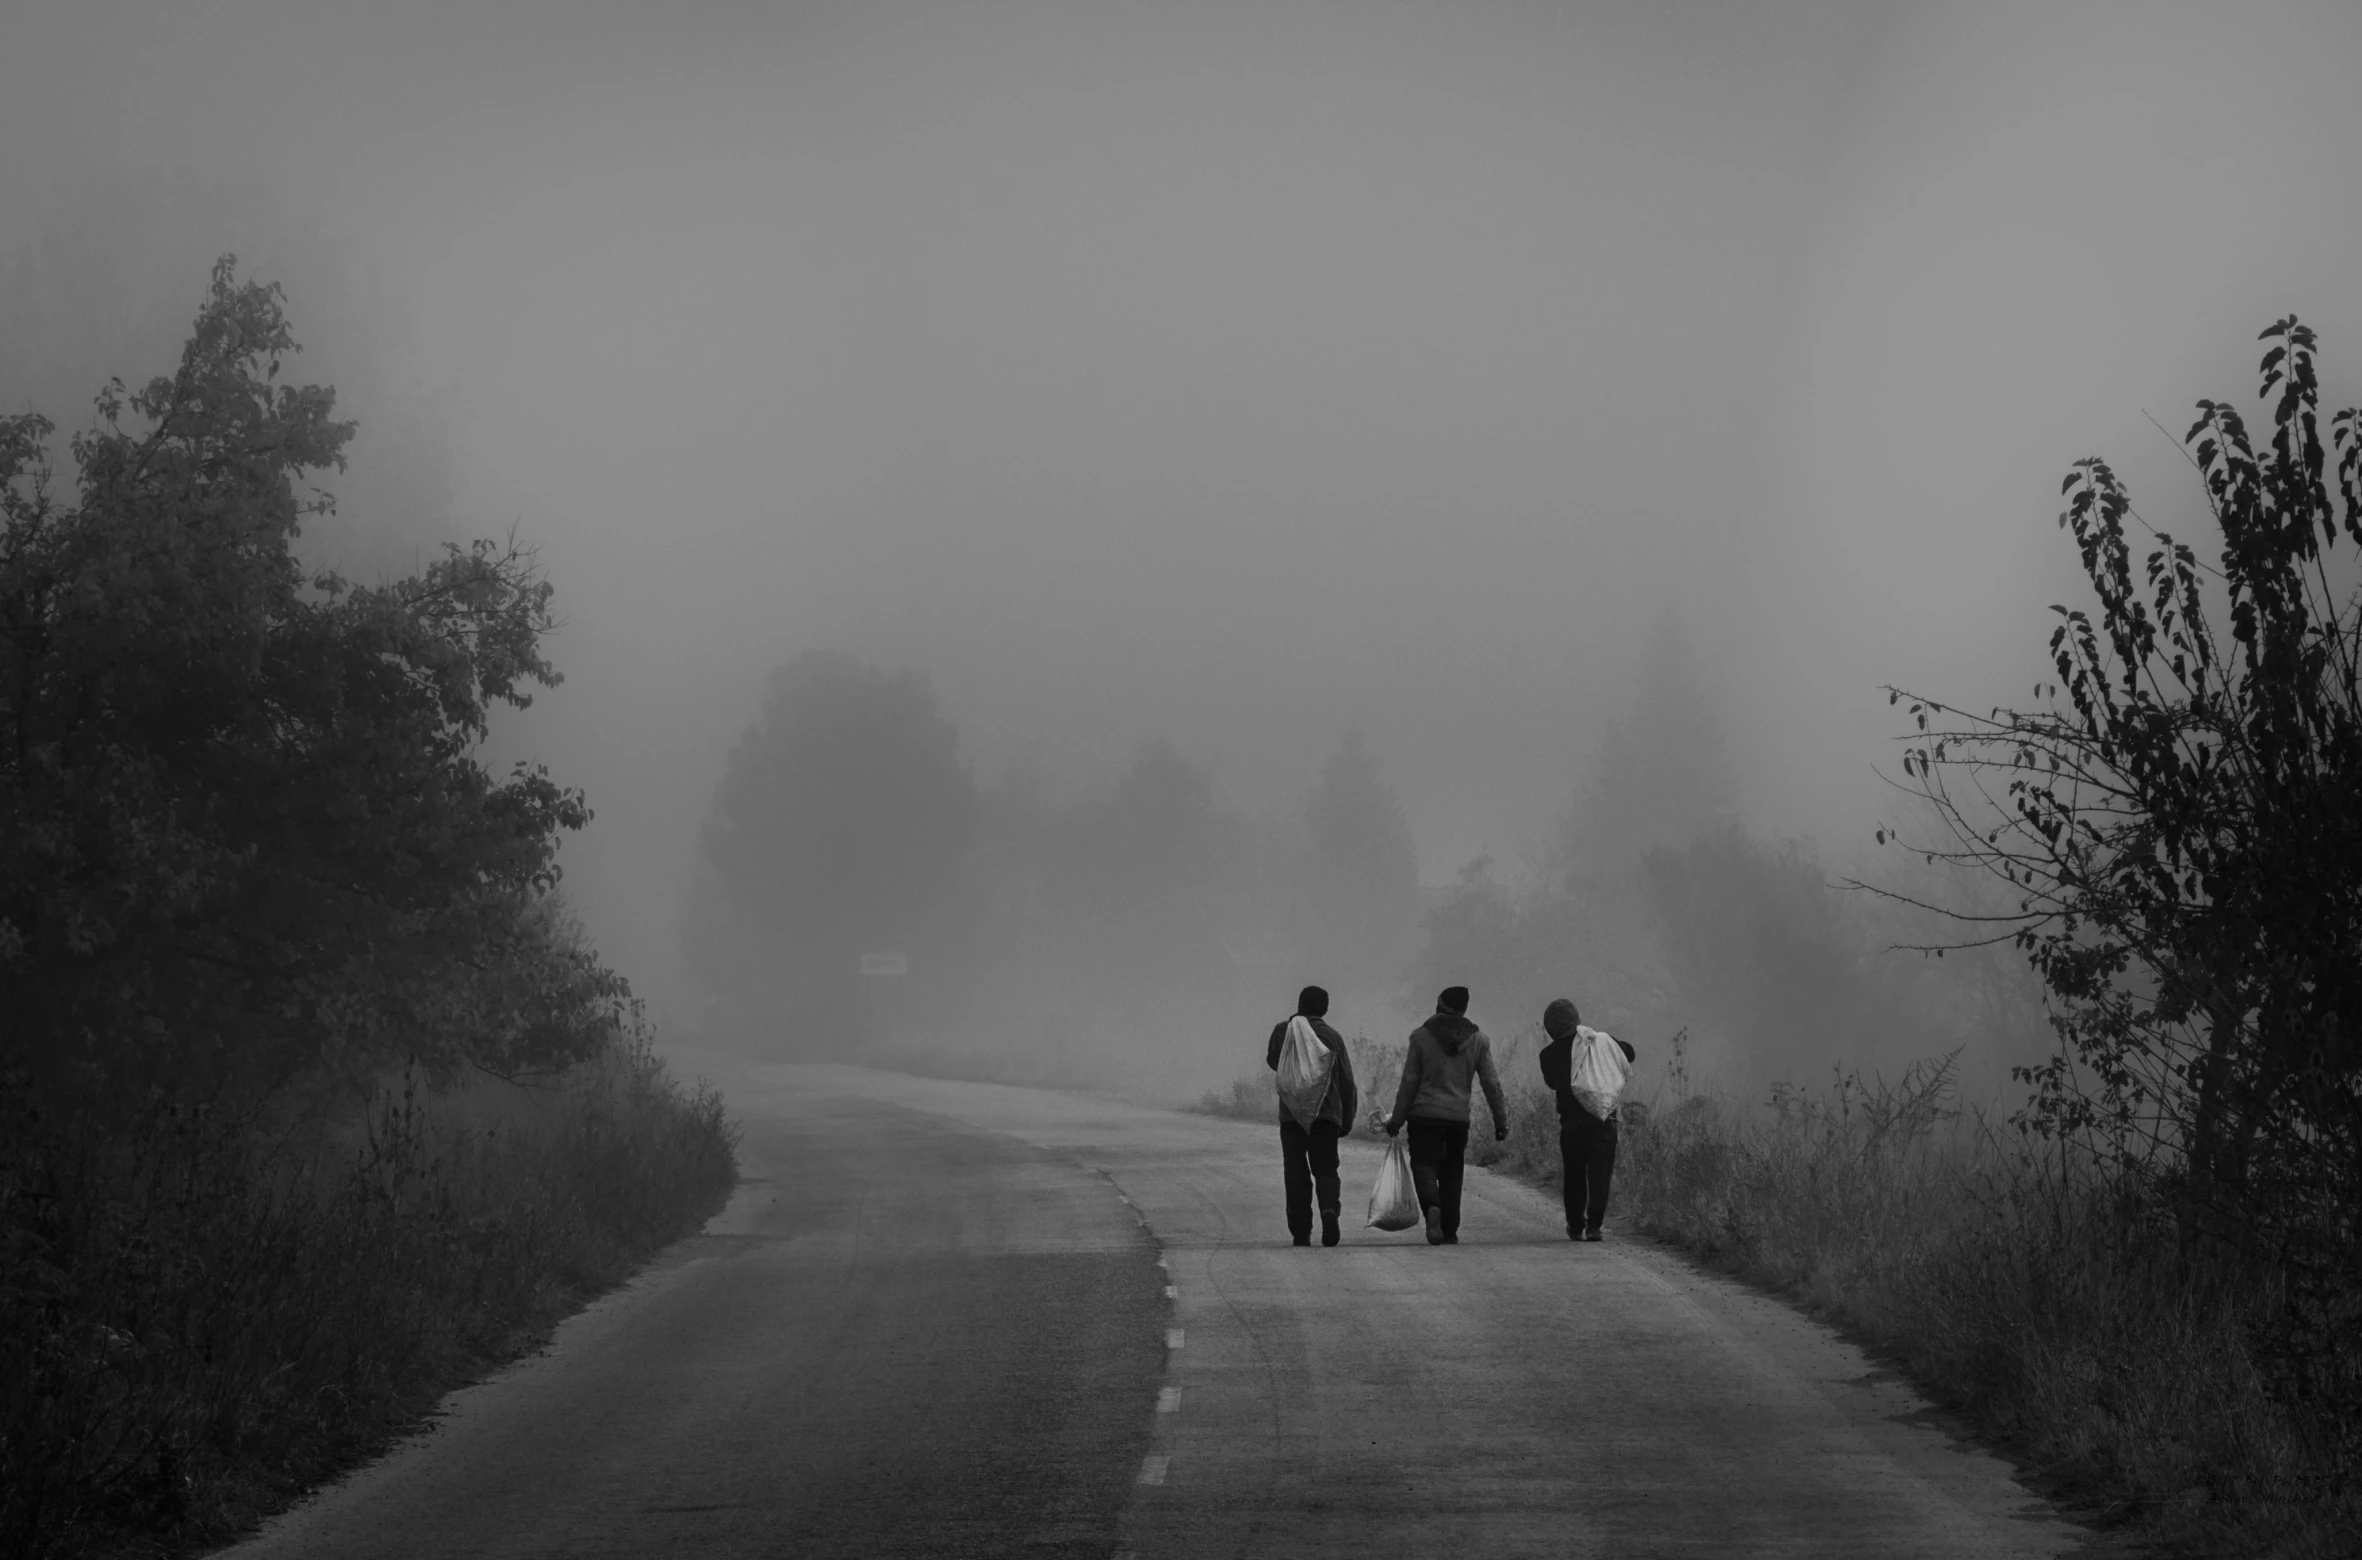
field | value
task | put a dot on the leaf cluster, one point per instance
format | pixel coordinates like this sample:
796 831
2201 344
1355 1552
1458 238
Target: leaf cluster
244 830
2180 817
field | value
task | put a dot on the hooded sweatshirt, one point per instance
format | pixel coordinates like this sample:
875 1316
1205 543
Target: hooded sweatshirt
1446 1053
1557 1058
1343 1099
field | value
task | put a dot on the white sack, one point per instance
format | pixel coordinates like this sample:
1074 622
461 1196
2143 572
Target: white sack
1304 1068
1597 1071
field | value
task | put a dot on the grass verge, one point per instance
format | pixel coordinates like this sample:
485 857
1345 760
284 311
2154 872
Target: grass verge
1251 1096
2050 1302
2047 1300
201 1318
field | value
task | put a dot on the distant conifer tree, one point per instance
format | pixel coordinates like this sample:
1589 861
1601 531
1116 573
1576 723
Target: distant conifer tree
1662 773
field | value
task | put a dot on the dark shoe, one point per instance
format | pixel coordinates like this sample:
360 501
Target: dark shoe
1574 1234
1301 1240
1435 1226
1329 1235
1591 1234
1452 1238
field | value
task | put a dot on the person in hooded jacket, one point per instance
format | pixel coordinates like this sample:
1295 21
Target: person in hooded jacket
1308 1150
1445 1056
1586 1143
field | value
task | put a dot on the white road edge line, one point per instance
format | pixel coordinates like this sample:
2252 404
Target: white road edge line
1168 1400
1172 1337
1152 1469
1171 1293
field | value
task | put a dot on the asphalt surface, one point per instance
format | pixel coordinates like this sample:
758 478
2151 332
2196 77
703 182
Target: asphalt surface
960 1319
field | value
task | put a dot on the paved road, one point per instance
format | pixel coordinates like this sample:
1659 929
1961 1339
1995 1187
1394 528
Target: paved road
958 1319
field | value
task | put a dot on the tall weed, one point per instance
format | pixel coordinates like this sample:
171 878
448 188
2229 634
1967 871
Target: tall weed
1251 1096
2016 1278
202 1316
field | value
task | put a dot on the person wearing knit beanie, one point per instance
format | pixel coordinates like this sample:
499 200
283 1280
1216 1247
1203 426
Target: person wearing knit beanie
1586 1141
1308 1149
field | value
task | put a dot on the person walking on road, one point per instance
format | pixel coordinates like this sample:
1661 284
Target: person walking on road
1585 1069
1445 1055
1308 1149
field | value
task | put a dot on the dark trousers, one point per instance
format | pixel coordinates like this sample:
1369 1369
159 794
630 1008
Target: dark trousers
1308 1159
1587 1148
1439 1158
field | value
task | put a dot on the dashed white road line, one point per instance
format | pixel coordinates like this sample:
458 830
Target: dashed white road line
1168 1400
1172 1337
1152 1469
1171 1293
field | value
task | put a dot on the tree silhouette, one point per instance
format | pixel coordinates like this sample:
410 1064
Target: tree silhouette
244 831
1361 881
1662 775
2180 822
836 830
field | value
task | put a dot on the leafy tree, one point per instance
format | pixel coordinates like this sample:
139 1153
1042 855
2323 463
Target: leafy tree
1478 936
1765 952
1160 824
2181 822
837 829
104 281
1362 876
1753 936
1660 779
1662 775
243 829
1153 872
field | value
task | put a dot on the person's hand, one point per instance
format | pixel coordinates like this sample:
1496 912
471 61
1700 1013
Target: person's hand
1392 1127
1500 1133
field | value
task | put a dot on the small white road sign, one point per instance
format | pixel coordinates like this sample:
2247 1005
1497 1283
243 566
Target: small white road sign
877 964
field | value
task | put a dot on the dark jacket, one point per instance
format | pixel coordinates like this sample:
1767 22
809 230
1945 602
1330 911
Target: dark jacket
1445 1055
1343 1099
1558 1070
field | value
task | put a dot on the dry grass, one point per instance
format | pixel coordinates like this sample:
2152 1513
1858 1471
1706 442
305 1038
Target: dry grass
1251 1096
2012 1280
200 1319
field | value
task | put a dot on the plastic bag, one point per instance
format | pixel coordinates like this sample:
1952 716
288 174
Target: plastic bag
1304 1068
1394 1201
1599 1072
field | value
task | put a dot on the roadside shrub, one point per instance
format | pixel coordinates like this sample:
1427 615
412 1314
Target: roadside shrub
201 1315
1251 1096
2174 828
2022 1280
252 858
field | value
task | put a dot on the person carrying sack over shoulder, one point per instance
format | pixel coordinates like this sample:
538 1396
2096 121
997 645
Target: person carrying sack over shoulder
1446 1054
1586 1069
1308 1141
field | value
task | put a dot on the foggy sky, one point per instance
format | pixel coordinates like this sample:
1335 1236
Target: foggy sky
1233 373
